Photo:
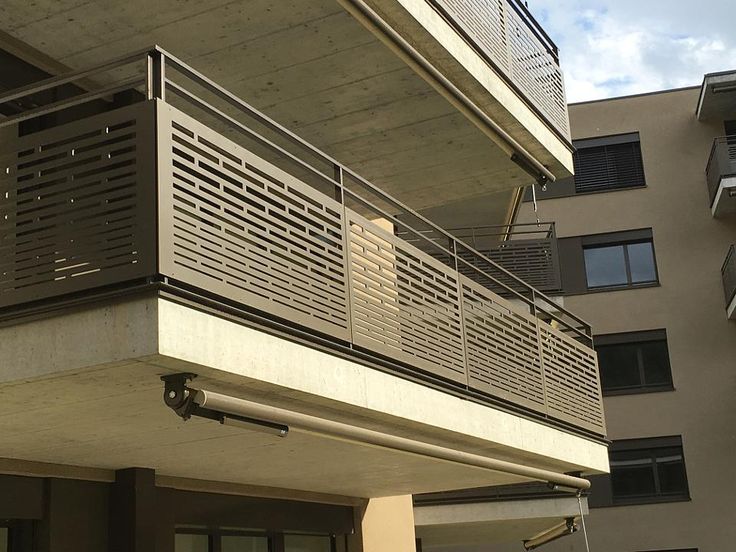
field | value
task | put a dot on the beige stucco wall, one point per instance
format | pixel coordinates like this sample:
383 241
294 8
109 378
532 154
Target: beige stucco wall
386 524
690 247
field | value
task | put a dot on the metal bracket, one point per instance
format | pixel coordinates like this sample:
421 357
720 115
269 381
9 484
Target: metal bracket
176 394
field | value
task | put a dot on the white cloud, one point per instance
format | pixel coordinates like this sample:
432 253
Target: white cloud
619 47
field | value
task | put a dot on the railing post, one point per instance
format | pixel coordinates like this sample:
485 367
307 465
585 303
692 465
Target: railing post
155 75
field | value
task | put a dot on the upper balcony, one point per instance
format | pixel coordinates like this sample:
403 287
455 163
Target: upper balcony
728 272
399 90
179 185
721 176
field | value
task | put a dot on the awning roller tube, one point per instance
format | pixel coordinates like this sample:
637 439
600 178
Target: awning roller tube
346 432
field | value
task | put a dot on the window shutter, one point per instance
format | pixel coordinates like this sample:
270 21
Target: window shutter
608 167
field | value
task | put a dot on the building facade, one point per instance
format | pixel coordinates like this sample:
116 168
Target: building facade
645 239
223 324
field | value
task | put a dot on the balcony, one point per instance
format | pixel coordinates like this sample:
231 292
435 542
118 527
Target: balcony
721 176
508 37
213 205
728 272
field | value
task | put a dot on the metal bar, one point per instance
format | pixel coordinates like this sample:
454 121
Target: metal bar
297 421
185 94
77 100
53 82
233 100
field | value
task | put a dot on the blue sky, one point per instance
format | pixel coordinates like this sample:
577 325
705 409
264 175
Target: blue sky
619 47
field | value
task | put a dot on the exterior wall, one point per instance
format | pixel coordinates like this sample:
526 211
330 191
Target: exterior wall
387 524
690 247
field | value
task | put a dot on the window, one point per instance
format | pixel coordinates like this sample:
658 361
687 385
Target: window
648 470
620 264
610 163
603 164
634 362
602 262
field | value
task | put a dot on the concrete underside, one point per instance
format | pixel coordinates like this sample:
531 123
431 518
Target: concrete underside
472 527
717 96
82 389
314 68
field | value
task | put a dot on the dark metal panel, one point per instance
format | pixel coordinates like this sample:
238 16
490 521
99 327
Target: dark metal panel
405 304
238 226
22 497
721 164
728 272
76 209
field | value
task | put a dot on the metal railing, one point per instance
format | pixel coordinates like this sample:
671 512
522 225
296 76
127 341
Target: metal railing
527 250
506 35
728 272
721 164
174 187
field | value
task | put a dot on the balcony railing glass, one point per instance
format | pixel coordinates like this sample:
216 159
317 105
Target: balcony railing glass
173 189
507 36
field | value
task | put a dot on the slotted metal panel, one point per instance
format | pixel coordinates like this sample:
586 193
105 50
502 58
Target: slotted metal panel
76 206
485 22
536 72
534 261
502 348
405 304
240 227
516 46
728 273
572 381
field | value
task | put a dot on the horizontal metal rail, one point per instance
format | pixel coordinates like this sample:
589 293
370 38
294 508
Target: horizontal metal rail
721 163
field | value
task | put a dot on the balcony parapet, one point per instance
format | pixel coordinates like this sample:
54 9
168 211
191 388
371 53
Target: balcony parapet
216 207
721 175
508 37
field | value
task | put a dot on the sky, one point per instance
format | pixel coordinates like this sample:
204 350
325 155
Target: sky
621 47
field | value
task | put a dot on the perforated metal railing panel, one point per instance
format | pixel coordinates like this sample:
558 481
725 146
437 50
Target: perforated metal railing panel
498 32
405 304
76 206
536 73
534 261
503 348
571 378
240 227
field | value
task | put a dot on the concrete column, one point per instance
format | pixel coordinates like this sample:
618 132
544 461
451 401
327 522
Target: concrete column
384 524
133 511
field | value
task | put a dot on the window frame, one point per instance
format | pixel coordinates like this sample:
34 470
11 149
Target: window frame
624 239
275 539
634 338
650 445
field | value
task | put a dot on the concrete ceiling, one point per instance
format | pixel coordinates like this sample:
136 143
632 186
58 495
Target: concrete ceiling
306 63
114 417
718 97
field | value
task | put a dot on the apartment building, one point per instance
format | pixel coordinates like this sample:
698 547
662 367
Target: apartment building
645 233
223 324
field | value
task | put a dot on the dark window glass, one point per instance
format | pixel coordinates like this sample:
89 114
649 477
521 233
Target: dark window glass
605 266
634 366
619 367
608 167
619 265
648 474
